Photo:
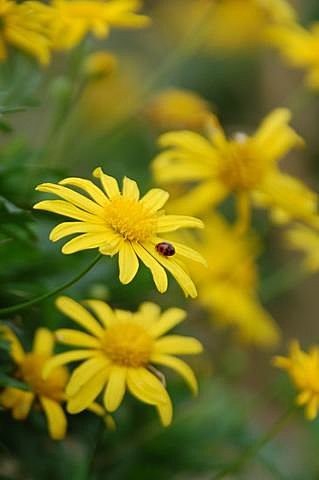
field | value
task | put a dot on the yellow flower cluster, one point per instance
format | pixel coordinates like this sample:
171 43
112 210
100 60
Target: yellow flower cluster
38 29
118 350
303 369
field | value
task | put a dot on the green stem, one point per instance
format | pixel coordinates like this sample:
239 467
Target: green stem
95 448
250 452
51 293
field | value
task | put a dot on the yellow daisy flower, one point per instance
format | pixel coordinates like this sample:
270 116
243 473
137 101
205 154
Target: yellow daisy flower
122 223
177 108
26 27
228 287
299 48
246 166
305 239
48 394
76 18
303 369
118 351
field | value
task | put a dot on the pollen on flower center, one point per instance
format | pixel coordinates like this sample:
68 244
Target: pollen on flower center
131 219
240 169
128 344
30 372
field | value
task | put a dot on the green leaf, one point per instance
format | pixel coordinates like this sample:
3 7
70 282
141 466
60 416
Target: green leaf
7 381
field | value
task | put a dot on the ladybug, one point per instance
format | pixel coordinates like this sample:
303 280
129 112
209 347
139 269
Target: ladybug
166 249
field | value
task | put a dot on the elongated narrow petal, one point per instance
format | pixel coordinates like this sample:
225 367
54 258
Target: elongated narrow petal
86 395
145 386
75 338
84 242
165 411
89 187
178 345
109 184
128 263
16 349
115 389
167 321
64 358
180 367
112 244
158 272
75 198
66 209
55 417
178 273
43 342
70 228
171 223
155 199
103 312
22 405
130 189
186 252
80 315
85 372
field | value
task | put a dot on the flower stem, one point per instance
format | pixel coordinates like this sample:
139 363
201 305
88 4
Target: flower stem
250 452
51 293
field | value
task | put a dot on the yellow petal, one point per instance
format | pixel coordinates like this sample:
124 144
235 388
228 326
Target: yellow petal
110 185
128 263
115 389
23 405
155 199
182 278
146 387
180 367
16 350
178 345
185 251
158 272
64 358
70 228
80 315
102 310
165 411
55 417
84 372
43 342
86 395
112 244
75 198
89 187
67 210
84 242
167 321
150 311
171 223
130 189
76 338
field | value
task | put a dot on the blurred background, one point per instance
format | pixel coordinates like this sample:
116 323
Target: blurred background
75 117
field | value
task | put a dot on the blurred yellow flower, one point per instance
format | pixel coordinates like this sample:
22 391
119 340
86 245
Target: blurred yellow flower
98 65
122 223
226 25
299 47
244 165
49 392
301 237
177 108
303 369
76 18
25 26
228 287
118 352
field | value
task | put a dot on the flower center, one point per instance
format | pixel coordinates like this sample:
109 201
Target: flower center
241 169
30 372
130 219
128 344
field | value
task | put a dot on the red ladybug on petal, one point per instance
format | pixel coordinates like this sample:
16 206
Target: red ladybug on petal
166 249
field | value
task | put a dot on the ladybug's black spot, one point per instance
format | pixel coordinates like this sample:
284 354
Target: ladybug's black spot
166 249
